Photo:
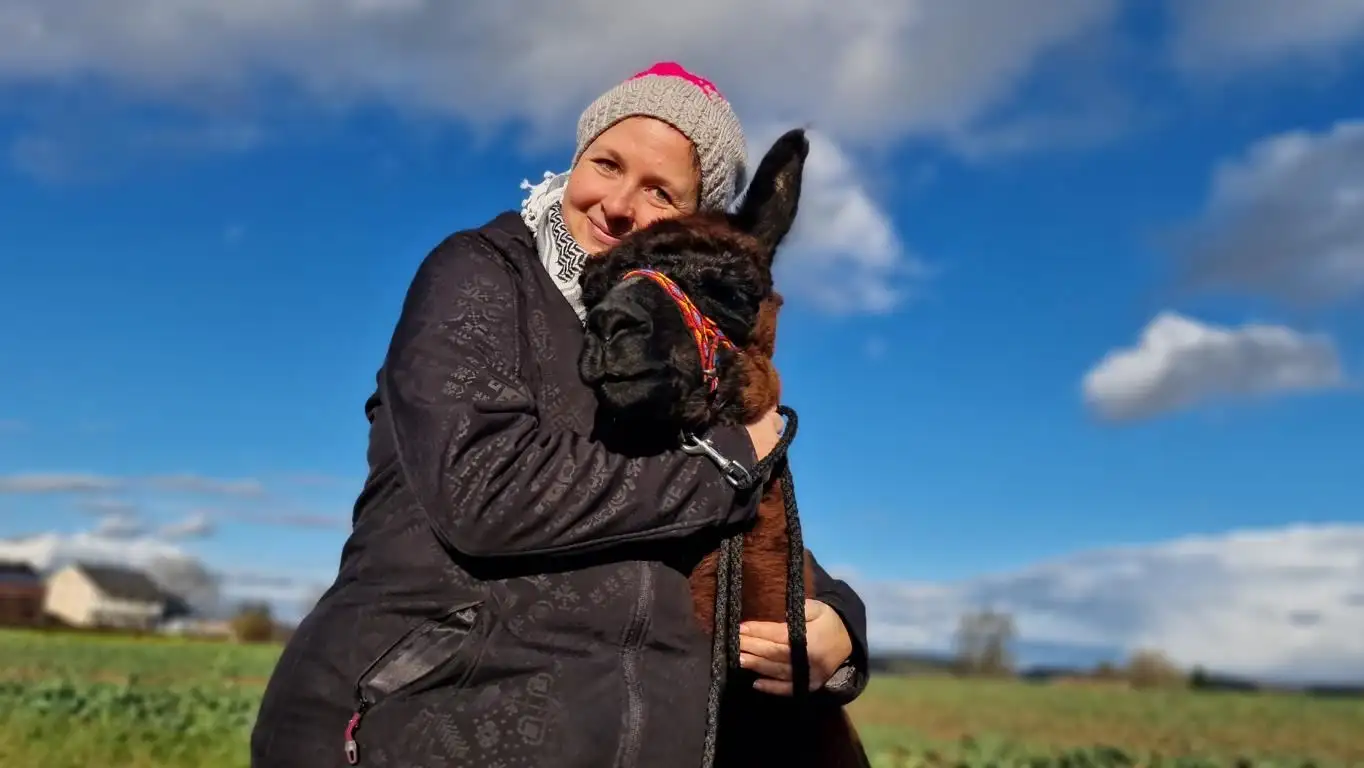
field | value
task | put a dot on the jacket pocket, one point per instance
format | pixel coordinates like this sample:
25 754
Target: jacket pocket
410 660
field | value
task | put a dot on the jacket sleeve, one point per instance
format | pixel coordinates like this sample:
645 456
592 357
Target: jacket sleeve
851 679
493 478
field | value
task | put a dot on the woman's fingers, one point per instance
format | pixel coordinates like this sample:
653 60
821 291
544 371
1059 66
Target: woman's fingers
775 670
763 650
766 648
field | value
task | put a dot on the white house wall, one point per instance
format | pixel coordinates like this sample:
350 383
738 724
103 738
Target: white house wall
69 597
123 613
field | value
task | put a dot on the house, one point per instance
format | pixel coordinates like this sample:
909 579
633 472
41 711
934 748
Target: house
105 596
190 626
21 595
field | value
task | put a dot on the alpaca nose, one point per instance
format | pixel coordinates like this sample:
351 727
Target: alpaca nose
613 320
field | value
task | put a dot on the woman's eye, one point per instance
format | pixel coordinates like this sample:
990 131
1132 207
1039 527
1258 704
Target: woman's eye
606 165
662 195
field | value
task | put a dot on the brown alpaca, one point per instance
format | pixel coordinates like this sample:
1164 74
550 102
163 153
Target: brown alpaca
660 303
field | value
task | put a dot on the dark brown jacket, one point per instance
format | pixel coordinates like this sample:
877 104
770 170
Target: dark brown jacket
512 593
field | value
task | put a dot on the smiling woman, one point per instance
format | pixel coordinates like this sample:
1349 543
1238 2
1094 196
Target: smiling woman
513 591
637 171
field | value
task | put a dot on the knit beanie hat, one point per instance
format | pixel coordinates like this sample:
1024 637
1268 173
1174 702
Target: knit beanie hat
692 105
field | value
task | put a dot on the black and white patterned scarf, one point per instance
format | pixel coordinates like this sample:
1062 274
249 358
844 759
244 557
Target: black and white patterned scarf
562 257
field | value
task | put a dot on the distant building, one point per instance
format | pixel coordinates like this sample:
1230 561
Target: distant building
21 595
194 627
106 596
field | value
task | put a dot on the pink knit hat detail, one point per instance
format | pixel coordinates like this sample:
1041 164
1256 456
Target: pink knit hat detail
693 105
673 69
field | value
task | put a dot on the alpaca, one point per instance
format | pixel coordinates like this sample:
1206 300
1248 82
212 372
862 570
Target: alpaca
681 331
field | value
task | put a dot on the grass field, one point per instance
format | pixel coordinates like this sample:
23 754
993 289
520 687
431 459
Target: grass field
175 704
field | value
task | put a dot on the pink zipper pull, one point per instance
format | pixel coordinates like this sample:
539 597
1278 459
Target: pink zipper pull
352 749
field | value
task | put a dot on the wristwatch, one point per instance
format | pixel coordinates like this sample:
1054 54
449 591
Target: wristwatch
842 678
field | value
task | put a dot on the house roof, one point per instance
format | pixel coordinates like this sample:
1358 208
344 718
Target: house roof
20 573
123 583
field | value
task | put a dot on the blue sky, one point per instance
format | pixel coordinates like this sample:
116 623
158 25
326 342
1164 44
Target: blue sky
204 247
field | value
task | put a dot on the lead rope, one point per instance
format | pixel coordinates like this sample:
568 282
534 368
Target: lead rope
729 576
795 591
724 649
724 652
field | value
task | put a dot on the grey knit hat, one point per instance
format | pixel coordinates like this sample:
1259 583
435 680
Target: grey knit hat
692 105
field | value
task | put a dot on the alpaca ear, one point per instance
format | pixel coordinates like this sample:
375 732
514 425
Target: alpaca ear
769 206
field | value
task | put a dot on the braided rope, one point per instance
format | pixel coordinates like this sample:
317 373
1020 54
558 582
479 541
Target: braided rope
729 571
709 338
729 595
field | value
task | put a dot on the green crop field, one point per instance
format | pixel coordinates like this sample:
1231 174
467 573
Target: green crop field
71 701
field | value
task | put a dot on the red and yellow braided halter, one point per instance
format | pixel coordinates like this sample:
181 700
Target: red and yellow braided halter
709 338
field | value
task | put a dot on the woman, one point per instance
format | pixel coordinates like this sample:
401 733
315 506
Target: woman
513 593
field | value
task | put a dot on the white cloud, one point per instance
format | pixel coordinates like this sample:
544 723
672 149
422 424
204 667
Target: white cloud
119 527
1282 603
843 254
196 526
1180 363
206 485
108 506
57 482
78 482
286 518
1285 220
882 69
52 550
1230 36
290 594
176 568
79 147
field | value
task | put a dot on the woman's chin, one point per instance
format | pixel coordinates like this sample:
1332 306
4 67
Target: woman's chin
598 243
605 242
584 233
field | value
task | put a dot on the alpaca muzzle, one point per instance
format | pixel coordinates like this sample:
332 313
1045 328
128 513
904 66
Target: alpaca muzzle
708 336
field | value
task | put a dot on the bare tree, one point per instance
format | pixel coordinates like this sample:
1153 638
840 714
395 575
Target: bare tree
1148 668
984 643
254 622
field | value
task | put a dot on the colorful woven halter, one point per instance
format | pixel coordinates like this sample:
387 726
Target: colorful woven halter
709 338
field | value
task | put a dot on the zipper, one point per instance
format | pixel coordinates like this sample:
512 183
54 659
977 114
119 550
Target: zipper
629 656
352 747
407 660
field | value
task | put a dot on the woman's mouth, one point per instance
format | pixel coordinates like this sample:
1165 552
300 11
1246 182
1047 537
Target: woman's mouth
601 235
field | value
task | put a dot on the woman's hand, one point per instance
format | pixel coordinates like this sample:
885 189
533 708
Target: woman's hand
764 649
765 432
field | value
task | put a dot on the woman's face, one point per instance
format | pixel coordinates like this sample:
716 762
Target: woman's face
637 171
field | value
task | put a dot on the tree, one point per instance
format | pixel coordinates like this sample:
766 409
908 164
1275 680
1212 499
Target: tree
1106 671
983 643
1149 668
253 623
1199 678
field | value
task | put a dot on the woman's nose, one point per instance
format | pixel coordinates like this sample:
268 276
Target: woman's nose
619 211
